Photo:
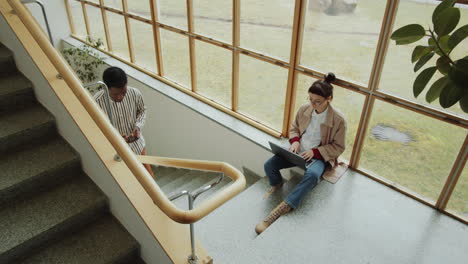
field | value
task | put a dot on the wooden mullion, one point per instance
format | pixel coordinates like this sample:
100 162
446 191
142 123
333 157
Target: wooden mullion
106 25
156 36
85 17
235 55
453 177
294 59
70 17
193 70
385 31
129 31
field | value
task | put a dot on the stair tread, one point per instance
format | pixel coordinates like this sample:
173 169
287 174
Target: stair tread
171 177
25 219
13 83
34 161
17 121
104 241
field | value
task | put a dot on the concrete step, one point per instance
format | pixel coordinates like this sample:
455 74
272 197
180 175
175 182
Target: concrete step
101 242
25 126
28 224
15 92
7 62
173 176
37 168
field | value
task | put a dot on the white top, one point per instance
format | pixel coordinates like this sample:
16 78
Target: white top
127 114
311 137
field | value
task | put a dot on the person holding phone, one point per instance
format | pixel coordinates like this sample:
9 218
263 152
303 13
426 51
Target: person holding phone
318 132
127 107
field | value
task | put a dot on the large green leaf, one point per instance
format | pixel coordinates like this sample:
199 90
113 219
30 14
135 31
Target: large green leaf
446 21
443 65
436 88
458 36
423 61
443 44
464 103
422 79
458 73
408 34
420 51
441 7
450 95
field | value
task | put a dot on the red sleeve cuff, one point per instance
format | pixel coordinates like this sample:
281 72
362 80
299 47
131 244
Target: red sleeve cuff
294 139
317 154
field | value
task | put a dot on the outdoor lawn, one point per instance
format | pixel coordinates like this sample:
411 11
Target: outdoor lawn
344 44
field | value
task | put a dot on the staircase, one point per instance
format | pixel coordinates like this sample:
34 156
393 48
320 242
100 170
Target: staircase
50 210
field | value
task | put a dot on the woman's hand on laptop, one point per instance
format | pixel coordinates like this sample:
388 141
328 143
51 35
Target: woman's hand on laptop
308 155
294 147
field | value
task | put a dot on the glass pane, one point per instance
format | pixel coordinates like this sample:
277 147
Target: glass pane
458 202
213 19
262 91
214 70
176 58
94 1
398 74
143 42
95 24
173 13
411 149
266 26
342 34
117 4
78 20
139 7
347 102
118 35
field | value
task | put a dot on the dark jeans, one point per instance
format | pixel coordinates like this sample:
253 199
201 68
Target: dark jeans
308 182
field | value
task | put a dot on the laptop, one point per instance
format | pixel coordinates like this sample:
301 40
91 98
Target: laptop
292 157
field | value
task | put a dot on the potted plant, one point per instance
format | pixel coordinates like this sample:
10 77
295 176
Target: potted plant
85 61
442 38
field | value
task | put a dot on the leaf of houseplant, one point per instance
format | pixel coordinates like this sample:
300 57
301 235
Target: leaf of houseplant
450 95
464 103
422 79
458 73
441 7
443 44
423 61
446 21
420 51
458 36
443 65
408 34
436 89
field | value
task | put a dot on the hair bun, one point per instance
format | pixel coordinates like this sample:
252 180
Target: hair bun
330 77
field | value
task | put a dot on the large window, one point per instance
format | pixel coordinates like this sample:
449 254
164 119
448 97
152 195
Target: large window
255 59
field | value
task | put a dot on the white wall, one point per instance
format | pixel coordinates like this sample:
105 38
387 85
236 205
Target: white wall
56 15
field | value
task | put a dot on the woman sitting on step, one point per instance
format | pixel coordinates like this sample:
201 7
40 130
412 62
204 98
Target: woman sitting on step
318 132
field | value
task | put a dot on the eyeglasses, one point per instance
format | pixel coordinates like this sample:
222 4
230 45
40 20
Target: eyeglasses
316 102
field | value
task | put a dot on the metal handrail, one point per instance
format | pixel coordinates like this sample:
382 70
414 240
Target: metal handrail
43 13
192 259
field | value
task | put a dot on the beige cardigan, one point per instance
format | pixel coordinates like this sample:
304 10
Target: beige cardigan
333 133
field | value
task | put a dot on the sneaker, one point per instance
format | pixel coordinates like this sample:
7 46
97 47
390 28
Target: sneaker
281 209
272 190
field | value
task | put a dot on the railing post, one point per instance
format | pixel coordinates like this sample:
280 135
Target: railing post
192 259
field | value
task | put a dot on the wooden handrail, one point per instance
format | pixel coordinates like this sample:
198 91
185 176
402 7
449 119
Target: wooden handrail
132 161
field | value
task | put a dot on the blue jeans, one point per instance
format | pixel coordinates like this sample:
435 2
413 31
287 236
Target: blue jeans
309 181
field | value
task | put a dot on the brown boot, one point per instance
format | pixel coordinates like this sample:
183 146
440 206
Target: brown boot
281 209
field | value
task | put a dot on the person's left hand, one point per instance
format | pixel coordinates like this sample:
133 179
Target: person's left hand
308 155
136 133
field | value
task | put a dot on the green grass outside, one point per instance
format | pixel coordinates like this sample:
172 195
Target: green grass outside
343 44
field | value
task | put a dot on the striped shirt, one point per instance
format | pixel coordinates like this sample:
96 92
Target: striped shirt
127 115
